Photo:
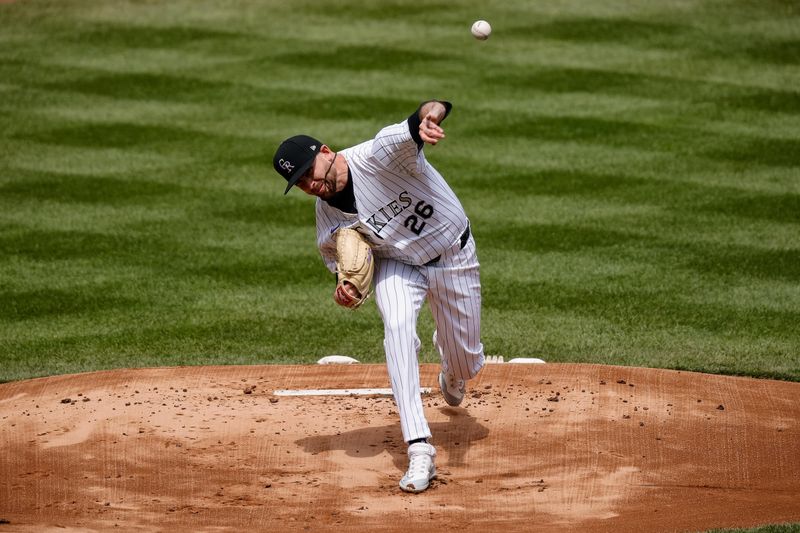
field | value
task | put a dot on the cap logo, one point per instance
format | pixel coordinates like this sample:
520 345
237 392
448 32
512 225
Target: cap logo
313 147
286 165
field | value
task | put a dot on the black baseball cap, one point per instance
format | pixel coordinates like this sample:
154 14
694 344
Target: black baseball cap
294 157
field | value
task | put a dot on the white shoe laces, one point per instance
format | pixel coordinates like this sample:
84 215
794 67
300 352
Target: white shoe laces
419 465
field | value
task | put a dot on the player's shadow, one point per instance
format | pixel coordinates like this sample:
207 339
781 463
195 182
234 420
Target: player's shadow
457 434
454 437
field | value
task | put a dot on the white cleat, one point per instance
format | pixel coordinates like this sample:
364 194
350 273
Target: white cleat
421 469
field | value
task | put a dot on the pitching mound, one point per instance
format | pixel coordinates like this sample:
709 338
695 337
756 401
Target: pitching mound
534 447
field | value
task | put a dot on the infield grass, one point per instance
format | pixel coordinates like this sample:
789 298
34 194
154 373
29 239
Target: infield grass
779 528
631 171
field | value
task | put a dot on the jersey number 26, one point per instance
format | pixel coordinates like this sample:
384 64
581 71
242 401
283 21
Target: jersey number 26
414 223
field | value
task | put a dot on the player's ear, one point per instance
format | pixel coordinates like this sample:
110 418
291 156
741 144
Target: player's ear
325 149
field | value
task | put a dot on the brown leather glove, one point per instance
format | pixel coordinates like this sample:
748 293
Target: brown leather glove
354 268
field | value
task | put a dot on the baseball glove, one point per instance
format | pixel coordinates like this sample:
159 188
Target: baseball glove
354 268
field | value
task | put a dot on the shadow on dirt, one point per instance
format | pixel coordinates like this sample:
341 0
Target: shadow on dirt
452 438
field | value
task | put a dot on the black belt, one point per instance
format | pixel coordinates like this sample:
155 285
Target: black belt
463 242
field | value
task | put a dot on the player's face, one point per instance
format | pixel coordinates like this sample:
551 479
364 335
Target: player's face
320 180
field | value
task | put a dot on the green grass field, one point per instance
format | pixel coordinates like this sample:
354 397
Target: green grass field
631 170
782 528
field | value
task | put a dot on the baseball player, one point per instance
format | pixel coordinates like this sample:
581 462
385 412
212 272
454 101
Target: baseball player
419 235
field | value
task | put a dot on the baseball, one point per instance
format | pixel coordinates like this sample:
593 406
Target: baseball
481 30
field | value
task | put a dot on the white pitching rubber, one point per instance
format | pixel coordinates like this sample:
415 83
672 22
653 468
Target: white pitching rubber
337 360
340 392
528 360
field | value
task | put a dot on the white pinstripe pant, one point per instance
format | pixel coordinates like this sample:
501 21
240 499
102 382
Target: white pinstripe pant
453 288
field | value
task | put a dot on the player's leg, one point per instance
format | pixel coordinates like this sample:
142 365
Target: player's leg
455 298
400 292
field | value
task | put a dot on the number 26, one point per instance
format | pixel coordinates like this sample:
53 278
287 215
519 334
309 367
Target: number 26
415 224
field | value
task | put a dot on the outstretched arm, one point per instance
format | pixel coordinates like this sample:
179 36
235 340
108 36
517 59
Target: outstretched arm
400 145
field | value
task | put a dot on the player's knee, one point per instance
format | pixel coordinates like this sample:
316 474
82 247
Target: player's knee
398 321
394 344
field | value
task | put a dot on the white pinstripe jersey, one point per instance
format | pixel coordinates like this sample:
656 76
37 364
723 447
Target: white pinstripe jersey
405 208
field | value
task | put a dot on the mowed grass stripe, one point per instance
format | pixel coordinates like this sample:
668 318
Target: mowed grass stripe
85 189
676 89
628 170
683 37
630 189
680 140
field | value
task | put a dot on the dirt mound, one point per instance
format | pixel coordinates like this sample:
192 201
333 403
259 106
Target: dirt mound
534 447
